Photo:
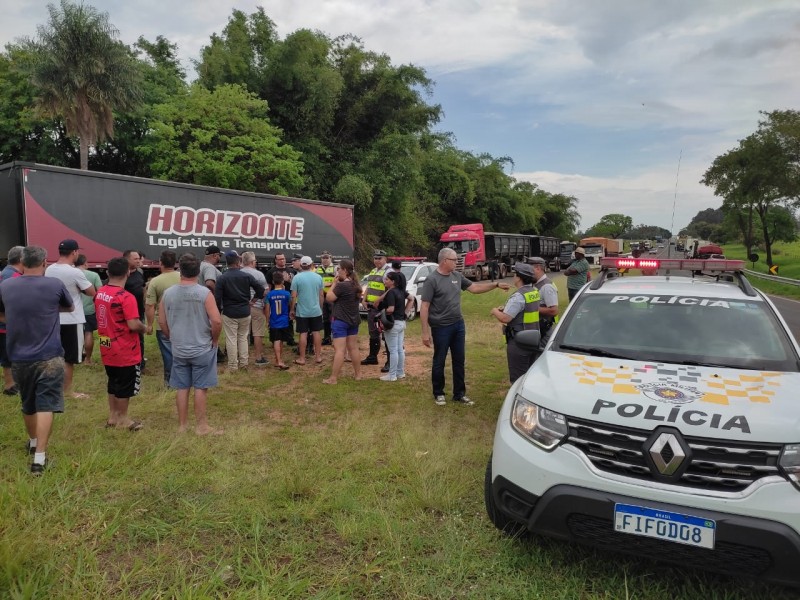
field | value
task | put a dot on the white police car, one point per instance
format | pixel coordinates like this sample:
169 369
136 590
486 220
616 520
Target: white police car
416 270
663 420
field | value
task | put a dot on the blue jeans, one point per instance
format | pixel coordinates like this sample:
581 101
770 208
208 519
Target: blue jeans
452 338
166 353
397 355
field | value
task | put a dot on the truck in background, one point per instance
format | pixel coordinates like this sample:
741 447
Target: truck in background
108 214
599 247
566 252
477 248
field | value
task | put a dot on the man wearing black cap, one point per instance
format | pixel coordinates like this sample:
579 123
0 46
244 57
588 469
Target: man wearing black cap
373 290
232 293
208 268
520 313
71 322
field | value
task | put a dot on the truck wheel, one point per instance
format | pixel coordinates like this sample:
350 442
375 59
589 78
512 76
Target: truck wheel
411 313
557 266
478 273
503 523
503 272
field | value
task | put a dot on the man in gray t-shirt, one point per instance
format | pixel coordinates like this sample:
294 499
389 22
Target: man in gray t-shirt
188 316
443 323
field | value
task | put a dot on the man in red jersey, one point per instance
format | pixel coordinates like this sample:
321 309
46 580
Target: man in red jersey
118 327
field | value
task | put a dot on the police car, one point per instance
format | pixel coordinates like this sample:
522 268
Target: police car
663 420
416 270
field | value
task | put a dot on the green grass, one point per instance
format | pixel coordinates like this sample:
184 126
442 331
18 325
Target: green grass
784 254
360 490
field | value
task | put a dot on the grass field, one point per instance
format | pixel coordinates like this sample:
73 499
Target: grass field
784 254
360 490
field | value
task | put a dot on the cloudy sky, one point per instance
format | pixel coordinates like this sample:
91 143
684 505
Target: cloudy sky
621 103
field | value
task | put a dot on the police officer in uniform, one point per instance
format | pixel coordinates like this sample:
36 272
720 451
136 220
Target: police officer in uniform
548 308
327 271
373 290
520 313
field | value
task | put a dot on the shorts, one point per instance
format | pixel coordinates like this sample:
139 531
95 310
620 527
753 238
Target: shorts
258 322
72 342
306 324
124 382
280 334
41 385
91 324
340 329
4 362
199 372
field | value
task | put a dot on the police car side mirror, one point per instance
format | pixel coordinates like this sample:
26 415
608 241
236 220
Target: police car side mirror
528 340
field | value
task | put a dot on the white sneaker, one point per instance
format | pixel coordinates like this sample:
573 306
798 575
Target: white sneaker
463 400
440 400
388 377
403 376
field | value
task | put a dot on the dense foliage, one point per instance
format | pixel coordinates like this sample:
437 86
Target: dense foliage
306 115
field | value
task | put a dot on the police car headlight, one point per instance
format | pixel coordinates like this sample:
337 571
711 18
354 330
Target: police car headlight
541 426
790 463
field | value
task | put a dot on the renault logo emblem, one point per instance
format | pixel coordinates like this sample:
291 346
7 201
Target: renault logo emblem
667 454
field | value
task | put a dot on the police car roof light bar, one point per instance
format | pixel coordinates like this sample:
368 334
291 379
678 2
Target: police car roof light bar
679 264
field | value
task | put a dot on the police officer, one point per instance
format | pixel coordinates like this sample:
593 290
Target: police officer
327 271
373 290
520 313
548 308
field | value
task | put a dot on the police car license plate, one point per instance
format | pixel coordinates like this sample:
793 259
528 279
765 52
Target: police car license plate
664 525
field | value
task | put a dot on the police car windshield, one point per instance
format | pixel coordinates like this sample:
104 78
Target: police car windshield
742 334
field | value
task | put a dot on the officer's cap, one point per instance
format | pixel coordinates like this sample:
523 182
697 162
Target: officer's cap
378 254
523 269
581 251
537 260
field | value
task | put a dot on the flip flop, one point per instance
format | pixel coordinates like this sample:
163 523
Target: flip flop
283 367
79 395
135 426
297 362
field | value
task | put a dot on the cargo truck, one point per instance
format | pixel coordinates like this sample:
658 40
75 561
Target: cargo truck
107 214
478 249
599 247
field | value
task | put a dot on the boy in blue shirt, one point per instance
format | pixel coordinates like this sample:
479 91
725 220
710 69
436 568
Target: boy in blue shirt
276 309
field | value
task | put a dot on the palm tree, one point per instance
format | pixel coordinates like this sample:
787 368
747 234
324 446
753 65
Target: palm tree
82 72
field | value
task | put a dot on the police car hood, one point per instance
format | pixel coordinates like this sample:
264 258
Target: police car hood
731 404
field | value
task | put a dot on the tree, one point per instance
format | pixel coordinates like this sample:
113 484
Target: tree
222 138
81 72
613 226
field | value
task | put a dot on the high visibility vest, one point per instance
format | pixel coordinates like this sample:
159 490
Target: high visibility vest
327 277
529 317
375 285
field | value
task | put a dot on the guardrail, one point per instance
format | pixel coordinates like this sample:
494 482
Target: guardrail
775 278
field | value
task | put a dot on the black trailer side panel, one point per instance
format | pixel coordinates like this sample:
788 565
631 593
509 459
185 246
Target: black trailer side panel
11 231
107 214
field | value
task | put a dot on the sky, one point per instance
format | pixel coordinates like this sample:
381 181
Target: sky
622 103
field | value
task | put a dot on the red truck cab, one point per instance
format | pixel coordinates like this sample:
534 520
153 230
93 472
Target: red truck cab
469 243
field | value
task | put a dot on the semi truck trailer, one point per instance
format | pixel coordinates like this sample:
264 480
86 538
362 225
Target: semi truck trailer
107 214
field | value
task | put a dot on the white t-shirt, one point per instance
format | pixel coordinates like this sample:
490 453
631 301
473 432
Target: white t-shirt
75 281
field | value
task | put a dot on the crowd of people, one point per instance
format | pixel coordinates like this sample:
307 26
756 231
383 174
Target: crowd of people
50 315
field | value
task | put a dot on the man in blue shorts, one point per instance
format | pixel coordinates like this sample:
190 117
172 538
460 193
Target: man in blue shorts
32 304
189 318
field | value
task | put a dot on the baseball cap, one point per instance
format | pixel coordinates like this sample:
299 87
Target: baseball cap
306 260
68 246
523 269
213 250
580 251
296 256
231 254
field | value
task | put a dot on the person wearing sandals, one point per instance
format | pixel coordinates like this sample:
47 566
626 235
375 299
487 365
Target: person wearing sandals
118 329
345 296
393 302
